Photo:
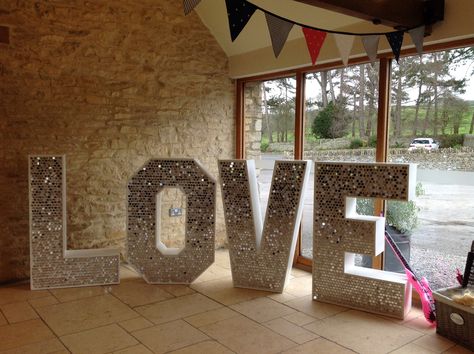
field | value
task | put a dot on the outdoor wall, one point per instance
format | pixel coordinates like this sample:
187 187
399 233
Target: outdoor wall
253 120
111 84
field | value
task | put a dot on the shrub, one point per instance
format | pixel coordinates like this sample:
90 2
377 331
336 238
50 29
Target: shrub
372 142
356 143
331 122
450 141
401 215
264 145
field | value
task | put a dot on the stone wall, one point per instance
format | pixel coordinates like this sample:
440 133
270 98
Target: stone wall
448 159
253 119
110 84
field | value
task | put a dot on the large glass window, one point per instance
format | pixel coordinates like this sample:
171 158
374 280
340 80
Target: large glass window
341 125
432 115
431 123
269 115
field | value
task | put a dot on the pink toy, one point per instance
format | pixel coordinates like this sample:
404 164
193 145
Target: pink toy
421 286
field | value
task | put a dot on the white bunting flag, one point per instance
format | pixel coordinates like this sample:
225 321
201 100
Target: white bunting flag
371 45
417 36
344 44
279 30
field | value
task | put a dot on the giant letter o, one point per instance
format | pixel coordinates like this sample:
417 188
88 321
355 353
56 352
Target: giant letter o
143 241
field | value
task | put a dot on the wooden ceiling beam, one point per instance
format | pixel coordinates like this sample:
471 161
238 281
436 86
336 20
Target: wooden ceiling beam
4 34
400 14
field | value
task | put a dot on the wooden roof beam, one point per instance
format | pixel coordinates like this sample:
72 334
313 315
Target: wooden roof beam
399 14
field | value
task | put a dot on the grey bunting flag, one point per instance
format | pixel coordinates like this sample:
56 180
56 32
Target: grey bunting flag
279 30
417 36
371 45
189 5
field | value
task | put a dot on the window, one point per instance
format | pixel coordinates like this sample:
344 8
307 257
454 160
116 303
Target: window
372 131
432 110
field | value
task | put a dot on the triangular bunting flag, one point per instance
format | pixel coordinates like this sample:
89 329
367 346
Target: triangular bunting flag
314 41
189 5
371 45
395 39
239 13
417 36
344 44
279 30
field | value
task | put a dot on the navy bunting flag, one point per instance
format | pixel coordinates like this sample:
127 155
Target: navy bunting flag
395 39
279 30
239 13
189 5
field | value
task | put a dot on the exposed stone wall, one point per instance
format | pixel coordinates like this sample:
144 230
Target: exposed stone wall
253 119
110 84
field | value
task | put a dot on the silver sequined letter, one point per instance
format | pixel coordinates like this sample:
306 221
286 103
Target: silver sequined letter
52 264
147 253
261 254
340 233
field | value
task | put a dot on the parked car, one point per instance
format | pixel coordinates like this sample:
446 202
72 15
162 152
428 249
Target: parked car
424 143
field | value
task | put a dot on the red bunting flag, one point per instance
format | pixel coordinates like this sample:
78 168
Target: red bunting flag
314 41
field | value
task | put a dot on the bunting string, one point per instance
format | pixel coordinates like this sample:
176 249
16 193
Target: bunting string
240 11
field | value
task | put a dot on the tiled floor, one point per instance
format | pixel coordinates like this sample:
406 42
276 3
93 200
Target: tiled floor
208 317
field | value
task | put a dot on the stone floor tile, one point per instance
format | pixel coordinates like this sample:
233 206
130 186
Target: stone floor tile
135 324
75 316
223 291
222 258
137 349
24 333
363 332
71 294
434 342
299 318
3 320
421 324
49 346
43 301
290 330
243 335
19 293
138 293
298 273
18 312
319 346
300 286
176 289
212 273
412 348
283 297
177 308
128 273
99 340
262 309
169 336
207 347
212 316
314 308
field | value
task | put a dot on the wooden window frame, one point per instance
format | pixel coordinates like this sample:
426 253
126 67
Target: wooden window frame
383 115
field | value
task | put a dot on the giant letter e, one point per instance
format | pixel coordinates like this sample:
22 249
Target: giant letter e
339 233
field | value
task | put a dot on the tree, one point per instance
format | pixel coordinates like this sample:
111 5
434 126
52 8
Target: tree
332 121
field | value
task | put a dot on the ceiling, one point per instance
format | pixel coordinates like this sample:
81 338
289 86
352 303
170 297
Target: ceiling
255 35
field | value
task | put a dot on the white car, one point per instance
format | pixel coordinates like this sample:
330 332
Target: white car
424 143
